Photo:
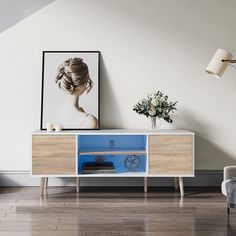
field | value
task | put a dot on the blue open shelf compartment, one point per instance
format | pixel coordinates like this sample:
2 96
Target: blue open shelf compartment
111 142
126 152
139 166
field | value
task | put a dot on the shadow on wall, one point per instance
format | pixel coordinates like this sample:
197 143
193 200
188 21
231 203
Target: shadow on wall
207 154
109 111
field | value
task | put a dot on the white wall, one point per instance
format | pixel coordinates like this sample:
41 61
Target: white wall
146 45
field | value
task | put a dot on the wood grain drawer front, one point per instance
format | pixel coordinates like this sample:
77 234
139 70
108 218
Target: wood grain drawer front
53 155
171 154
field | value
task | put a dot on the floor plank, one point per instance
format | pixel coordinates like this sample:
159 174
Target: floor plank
114 211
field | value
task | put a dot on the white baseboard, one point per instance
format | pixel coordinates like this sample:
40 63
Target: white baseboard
23 178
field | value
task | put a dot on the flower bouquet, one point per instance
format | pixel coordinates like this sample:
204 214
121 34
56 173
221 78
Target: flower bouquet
156 105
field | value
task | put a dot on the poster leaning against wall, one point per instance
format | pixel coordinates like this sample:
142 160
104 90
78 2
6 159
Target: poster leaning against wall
70 90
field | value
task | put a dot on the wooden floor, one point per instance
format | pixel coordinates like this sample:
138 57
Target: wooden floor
114 212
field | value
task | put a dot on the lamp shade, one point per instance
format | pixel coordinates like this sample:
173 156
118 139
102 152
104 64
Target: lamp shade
216 67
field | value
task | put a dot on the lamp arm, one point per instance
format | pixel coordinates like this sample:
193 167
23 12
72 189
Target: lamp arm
230 61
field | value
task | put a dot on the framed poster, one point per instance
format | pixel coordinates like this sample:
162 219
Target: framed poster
70 90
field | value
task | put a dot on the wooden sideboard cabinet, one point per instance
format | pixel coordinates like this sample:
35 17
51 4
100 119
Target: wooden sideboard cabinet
165 153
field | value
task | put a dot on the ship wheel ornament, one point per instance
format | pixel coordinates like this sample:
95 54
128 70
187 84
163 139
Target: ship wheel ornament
132 162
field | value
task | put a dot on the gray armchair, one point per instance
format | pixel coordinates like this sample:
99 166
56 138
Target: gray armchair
229 173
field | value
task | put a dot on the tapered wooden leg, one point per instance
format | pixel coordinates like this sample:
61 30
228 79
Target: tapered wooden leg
42 186
45 185
77 184
181 186
145 184
176 183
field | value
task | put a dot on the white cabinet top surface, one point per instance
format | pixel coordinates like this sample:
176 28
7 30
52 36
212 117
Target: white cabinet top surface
115 131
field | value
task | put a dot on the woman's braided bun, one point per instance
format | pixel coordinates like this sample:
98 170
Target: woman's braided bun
72 73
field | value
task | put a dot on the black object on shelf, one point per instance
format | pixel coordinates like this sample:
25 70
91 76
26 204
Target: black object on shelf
98 168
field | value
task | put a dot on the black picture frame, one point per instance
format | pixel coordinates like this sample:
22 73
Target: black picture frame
44 78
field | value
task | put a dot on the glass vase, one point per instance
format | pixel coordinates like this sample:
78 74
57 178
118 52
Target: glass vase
155 123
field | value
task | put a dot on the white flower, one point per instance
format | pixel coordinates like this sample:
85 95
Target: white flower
152 111
154 102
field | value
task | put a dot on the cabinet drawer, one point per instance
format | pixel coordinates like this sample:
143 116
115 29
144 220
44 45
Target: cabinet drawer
53 154
171 154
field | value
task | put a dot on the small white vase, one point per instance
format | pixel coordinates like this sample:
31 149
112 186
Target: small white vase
58 128
156 123
49 127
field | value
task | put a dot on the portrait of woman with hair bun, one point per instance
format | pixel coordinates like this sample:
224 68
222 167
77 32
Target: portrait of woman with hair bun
70 96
